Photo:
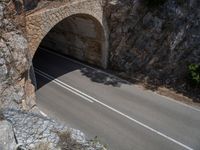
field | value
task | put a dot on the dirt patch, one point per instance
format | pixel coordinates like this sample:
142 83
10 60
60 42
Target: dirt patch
177 96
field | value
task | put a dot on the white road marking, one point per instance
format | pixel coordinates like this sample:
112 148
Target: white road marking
63 85
85 96
77 62
45 115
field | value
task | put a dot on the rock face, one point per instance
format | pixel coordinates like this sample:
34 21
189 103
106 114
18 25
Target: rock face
32 129
35 132
14 64
154 44
7 140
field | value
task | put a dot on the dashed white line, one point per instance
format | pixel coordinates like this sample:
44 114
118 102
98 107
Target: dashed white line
91 99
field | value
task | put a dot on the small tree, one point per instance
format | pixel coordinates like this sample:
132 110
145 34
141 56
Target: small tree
194 74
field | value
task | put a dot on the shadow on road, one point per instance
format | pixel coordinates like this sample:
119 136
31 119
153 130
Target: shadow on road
57 66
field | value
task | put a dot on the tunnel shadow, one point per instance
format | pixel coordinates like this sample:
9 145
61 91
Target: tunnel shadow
57 65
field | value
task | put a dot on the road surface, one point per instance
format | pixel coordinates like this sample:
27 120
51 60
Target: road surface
122 115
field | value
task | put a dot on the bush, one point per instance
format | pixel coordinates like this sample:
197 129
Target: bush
67 142
194 74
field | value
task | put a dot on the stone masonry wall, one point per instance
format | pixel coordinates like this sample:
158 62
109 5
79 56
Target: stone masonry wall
38 24
155 44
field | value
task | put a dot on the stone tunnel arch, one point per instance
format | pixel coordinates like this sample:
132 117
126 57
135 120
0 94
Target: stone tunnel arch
40 23
80 36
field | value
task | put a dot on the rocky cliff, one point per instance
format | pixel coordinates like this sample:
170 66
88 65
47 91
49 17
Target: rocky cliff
15 85
154 44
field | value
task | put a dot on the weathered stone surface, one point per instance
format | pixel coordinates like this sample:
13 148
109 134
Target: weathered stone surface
1 11
13 95
7 140
18 47
14 63
31 129
156 44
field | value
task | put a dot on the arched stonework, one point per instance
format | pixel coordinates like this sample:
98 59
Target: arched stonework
38 24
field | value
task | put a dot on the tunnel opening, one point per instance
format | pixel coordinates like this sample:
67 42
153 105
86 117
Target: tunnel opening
79 36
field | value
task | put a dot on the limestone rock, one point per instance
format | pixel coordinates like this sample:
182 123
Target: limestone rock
32 129
7 140
1 11
18 46
13 63
154 43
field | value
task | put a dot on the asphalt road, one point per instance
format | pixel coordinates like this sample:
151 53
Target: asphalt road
122 115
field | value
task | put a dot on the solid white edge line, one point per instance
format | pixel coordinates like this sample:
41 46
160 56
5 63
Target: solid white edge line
126 116
45 115
77 62
54 81
60 82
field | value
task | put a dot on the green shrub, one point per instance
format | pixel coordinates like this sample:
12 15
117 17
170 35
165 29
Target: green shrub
194 74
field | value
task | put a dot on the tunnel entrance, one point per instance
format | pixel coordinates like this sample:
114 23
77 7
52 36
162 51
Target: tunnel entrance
79 36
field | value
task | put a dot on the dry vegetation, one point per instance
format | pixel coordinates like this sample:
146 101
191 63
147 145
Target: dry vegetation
67 143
